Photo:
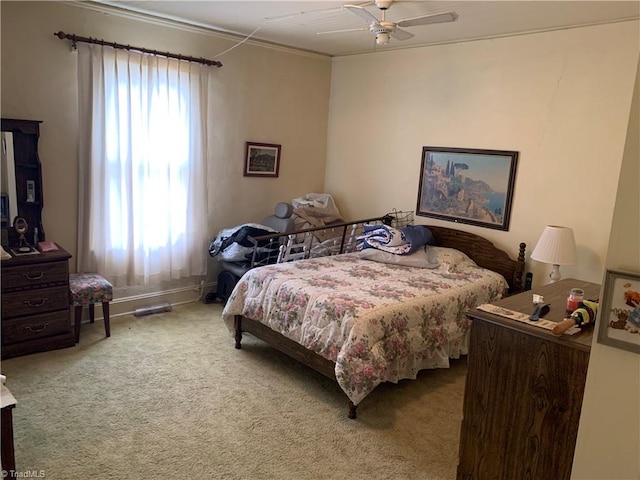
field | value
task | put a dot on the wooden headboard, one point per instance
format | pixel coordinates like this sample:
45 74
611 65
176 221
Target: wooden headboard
484 253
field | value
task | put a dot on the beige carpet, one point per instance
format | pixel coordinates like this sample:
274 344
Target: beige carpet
168 396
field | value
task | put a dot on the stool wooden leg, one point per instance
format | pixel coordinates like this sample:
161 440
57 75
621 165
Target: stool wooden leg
92 313
78 317
105 314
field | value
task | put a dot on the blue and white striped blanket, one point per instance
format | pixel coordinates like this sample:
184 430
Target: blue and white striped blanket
403 241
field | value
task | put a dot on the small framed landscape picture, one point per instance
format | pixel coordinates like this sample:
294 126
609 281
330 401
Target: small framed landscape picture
262 160
619 311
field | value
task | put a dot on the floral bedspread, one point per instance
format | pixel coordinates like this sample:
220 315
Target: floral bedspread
377 322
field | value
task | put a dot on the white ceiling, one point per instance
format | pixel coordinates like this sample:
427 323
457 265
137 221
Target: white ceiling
297 23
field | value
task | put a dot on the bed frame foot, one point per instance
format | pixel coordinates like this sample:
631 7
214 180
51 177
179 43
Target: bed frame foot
353 410
238 327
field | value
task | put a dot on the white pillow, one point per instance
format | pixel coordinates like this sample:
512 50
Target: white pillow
422 258
452 260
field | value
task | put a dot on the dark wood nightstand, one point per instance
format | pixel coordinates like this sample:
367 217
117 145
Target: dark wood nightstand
524 391
6 430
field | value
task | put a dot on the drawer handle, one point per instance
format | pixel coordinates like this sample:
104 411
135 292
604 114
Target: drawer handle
39 328
31 276
36 303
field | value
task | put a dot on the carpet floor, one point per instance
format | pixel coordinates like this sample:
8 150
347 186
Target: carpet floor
167 395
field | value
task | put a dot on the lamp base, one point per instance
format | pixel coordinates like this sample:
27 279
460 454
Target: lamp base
554 276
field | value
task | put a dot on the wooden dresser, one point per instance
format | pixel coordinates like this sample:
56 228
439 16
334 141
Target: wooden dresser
35 303
524 391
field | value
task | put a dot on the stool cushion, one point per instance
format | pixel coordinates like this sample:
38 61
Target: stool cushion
89 288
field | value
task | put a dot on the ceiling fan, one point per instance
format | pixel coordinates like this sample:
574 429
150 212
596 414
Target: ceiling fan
384 29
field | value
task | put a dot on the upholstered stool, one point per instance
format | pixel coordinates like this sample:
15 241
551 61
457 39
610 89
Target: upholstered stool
89 289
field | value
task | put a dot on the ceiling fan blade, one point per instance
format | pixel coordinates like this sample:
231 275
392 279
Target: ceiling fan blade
361 12
309 12
298 14
347 30
400 34
428 19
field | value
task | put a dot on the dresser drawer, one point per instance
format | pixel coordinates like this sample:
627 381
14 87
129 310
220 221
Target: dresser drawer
38 326
26 276
34 302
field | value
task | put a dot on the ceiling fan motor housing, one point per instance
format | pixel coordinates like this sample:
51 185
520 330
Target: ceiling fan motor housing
382 27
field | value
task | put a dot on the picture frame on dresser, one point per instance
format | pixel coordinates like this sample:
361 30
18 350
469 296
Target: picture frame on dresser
619 311
471 186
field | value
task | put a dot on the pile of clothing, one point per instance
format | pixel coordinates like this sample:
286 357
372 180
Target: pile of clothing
401 241
315 210
235 245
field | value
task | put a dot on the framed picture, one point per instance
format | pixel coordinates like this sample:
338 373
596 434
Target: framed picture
619 311
467 186
262 160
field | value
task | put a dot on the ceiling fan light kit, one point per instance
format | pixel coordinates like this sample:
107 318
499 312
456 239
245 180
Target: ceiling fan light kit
382 38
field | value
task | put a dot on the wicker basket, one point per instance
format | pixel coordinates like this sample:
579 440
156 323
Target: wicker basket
400 218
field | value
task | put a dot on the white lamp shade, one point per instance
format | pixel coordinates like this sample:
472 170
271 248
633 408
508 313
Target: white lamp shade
557 246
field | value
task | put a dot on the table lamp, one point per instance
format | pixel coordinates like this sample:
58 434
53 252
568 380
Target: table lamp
556 246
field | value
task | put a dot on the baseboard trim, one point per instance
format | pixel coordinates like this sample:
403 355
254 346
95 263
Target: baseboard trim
176 296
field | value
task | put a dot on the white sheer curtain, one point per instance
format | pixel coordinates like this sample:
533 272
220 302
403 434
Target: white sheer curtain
142 176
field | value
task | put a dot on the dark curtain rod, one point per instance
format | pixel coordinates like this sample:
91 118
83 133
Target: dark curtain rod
74 39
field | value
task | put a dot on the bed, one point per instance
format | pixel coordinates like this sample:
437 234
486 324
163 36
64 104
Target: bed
364 322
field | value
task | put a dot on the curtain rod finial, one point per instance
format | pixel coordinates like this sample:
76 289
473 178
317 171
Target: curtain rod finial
61 35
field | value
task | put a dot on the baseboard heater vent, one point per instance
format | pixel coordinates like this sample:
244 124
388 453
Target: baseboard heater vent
163 307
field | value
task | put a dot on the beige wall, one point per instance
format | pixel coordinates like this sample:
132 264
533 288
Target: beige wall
609 438
260 94
561 99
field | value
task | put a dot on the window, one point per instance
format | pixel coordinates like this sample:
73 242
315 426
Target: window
143 198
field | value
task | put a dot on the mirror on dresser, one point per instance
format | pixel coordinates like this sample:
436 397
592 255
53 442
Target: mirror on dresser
34 284
21 180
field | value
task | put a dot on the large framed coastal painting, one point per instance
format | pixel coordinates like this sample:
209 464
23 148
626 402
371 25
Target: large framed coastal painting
467 185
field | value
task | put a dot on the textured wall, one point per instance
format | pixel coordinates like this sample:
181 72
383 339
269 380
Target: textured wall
611 416
261 94
561 99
